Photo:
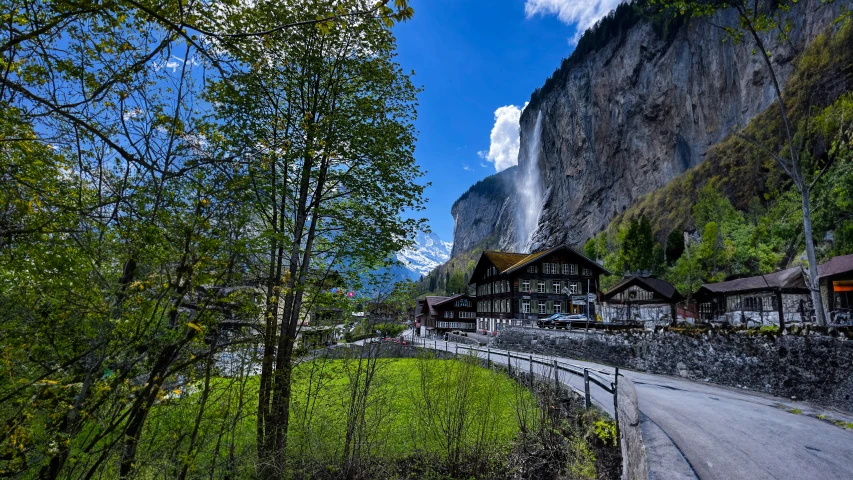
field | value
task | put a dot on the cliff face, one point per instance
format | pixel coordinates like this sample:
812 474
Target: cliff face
483 212
627 119
641 111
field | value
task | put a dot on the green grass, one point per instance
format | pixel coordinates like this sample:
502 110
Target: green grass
408 412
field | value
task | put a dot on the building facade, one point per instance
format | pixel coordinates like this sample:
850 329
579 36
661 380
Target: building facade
456 313
773 299
518 288
437 315
643 299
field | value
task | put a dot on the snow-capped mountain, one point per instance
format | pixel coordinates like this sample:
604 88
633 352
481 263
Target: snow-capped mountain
429 253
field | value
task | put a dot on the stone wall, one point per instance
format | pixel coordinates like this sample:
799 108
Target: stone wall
814 368
635 465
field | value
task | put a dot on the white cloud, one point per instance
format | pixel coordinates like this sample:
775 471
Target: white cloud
503 151
467 168
580 13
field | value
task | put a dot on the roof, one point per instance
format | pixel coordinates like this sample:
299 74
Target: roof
504 260
533 256
451 299
664 288
790 278
835 266
431 302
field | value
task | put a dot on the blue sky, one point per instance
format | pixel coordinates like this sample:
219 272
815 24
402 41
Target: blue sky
472 58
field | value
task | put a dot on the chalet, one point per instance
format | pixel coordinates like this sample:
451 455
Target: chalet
456 313
437 315
638 298
836 287
520 288
759 300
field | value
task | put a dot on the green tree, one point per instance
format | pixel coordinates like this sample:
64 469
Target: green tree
324 125
674 246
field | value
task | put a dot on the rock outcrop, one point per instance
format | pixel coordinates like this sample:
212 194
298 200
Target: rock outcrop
630 117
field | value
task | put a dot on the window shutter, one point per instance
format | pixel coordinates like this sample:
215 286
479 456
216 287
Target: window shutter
549 307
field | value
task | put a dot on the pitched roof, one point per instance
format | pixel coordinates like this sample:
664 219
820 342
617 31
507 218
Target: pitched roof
450 299
533 256
835 265
664 288
789 278
431 302
504 260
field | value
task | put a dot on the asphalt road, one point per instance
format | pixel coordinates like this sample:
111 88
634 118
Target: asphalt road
724 433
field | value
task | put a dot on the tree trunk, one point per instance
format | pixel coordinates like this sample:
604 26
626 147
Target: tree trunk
814 282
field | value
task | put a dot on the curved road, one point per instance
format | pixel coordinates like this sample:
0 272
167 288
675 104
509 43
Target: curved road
724 433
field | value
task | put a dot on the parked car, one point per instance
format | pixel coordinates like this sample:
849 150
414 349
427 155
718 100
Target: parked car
565 321
548 322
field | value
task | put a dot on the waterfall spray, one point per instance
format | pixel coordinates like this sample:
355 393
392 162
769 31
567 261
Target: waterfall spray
529 189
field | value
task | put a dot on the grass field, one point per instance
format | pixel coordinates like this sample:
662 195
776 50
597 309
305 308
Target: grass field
346 412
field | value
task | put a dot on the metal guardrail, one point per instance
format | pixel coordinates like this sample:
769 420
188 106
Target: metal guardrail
589 375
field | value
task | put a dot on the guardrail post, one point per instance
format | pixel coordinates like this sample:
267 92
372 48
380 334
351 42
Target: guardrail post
457 351
509 363
587 403
489 357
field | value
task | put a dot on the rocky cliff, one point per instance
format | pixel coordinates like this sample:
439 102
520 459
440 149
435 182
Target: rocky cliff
624 120
483 212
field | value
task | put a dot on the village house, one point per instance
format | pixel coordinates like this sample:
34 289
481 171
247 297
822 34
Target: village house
836 288
639 298
520 288
758 300
438 315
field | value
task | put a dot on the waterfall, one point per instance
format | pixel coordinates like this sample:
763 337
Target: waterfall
529 189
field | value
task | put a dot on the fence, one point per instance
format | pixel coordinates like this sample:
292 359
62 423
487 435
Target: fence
626 410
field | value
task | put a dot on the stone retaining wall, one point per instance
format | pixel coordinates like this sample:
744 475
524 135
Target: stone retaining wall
813 368
634 463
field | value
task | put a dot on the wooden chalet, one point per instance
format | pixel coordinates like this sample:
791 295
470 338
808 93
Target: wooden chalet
444 314
520 288
639 298
772 299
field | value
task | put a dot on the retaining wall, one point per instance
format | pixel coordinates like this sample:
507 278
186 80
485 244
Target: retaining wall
813 368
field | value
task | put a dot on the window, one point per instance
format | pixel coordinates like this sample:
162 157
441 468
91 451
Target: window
558 307
546 268
574 287
556 287
525 306
463 303
587 272
570 269
542 306
448 314
540 287
531 269
466 315
525 285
